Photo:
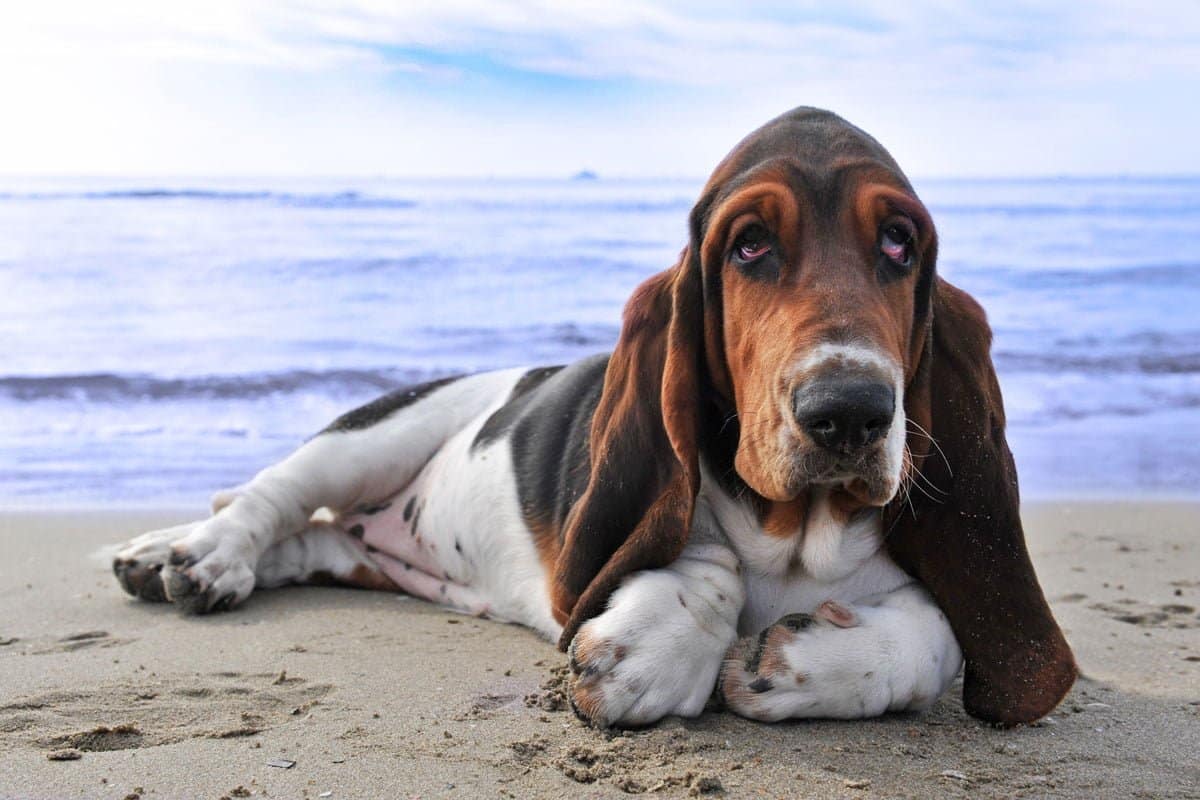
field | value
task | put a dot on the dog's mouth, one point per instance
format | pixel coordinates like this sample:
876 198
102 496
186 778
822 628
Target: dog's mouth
866 478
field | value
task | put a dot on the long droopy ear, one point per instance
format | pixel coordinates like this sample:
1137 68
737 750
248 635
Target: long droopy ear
964 538
636 511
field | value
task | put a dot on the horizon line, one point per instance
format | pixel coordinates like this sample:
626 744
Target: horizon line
579 176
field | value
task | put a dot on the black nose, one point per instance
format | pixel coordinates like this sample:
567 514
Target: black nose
844 415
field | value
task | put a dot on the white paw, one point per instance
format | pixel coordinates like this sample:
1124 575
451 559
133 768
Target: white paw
769 677
656 651
838 663
199 566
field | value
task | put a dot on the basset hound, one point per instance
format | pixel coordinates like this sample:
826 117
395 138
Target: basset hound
788 484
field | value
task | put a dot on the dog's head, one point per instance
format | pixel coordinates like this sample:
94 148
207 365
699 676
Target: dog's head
805 338
817 259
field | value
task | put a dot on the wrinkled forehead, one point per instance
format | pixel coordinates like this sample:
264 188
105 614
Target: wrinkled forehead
786 190
816 154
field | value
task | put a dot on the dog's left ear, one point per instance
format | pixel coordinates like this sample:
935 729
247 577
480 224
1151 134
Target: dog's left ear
965 542
636 511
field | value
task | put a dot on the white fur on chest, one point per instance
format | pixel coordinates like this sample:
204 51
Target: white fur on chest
824 559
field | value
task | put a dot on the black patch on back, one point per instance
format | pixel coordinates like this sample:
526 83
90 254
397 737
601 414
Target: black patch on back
503 417
380 409
550 442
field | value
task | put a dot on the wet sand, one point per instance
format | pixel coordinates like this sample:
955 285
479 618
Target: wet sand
376 695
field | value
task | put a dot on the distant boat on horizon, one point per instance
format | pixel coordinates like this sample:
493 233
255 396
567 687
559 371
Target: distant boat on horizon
585 175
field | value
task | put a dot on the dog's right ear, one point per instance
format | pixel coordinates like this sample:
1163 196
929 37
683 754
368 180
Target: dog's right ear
636 511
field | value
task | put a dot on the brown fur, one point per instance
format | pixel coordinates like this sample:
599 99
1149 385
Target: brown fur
546 540
772 664
587 700
827 291
637 510
361 576
704 349
585 649
370 578
586 691
783 520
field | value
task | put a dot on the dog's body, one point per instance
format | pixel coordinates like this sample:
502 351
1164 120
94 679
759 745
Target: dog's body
707 507
442 519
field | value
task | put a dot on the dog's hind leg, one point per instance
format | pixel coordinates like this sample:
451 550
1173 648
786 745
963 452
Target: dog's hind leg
325 553
364 457
320 554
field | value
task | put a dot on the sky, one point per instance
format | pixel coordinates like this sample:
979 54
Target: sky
654 89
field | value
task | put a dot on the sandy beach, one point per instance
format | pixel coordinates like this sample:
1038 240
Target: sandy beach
374 695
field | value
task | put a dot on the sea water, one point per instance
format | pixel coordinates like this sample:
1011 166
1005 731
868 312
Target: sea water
164 338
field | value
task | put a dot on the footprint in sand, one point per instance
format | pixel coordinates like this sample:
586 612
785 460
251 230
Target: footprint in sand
1134 612
79 641
155 711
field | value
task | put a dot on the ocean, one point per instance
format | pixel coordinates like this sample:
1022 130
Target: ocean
165 338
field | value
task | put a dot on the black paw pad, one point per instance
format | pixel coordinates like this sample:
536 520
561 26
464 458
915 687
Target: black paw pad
797 622
141 581
760 685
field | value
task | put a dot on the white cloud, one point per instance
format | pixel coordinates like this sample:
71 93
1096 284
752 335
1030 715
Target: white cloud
663 87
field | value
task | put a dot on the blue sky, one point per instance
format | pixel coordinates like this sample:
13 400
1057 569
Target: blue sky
489 87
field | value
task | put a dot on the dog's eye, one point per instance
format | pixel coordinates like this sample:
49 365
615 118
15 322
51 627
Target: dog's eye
896 243
752 244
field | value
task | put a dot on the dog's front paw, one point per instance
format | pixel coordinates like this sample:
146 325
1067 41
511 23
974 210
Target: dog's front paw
628 681
197 566
656 651
799 667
